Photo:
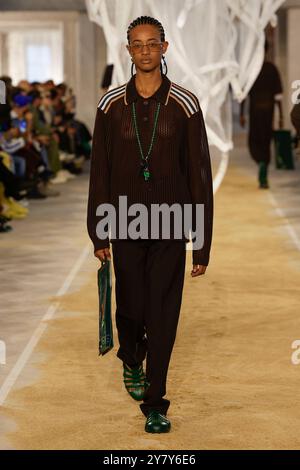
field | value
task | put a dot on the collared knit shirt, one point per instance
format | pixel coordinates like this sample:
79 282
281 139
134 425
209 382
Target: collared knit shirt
179 162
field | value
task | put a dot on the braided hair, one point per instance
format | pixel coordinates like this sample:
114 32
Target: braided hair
152 21
146 20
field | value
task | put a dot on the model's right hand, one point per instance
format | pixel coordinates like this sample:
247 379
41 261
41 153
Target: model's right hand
104 254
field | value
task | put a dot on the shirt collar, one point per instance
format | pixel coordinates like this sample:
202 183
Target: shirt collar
161 94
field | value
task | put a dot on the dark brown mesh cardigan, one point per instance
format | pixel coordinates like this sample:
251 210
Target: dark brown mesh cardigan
179 162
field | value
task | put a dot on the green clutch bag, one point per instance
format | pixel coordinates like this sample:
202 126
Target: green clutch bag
106 341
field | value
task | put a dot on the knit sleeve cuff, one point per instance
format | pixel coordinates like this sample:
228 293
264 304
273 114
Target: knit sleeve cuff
101 244
200 258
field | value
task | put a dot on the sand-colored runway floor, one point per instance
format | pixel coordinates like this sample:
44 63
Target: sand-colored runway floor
231 381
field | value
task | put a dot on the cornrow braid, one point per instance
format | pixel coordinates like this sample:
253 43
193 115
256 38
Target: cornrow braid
146 20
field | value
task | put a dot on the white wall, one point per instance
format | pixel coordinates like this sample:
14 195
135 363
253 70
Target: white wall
89 67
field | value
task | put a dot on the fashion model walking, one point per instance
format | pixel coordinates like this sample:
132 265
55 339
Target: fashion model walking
150 145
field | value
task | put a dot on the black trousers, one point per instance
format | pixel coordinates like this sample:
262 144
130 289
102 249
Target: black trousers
149 283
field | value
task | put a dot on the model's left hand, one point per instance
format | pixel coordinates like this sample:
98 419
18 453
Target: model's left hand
198 269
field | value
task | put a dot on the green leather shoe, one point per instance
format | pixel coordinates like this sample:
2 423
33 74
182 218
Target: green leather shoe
157 422
135 381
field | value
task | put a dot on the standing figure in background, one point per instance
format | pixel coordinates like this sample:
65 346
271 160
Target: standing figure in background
264 94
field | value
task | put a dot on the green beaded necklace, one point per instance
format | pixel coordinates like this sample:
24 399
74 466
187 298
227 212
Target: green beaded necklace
144 160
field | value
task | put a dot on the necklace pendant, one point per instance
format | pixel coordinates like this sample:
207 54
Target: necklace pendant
147 174
145 171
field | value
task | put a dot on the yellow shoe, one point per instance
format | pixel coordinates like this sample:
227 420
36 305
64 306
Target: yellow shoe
13 204
13 214
13 209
